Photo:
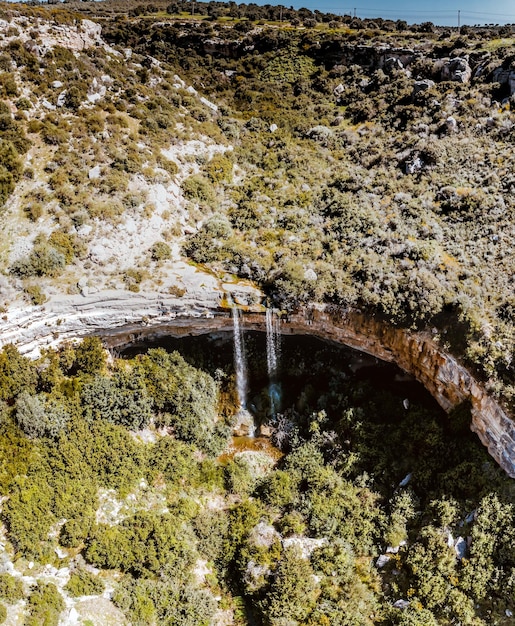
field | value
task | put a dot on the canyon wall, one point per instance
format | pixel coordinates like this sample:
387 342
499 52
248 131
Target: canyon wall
123 318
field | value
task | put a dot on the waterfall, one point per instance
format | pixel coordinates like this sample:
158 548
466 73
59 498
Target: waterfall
273 346
240 364
244 420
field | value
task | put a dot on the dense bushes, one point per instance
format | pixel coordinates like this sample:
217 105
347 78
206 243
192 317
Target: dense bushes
297 540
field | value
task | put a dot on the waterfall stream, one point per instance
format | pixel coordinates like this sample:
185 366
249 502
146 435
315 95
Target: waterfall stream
245 421
273 347
240 364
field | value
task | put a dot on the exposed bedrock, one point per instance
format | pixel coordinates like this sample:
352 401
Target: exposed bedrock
123 318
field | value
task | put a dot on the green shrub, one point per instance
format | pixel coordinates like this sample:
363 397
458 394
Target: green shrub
161 251
3 613
45 605
83 583
122 399
198 189
11 588
35 294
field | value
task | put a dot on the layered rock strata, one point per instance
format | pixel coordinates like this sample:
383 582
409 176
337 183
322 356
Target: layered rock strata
123 318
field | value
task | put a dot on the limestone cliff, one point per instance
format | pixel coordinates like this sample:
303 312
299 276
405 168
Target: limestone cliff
122 318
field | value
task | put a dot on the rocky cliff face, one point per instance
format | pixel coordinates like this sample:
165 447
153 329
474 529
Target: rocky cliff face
124 318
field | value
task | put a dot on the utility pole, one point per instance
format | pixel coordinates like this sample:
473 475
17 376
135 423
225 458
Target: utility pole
281 18
459 15
354 11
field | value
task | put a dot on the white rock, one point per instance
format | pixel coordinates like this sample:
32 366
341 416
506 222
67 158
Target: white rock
263 535
273 128
61 99
56 84
401 604
306 545
382 560
508 613
48 105
94 172
451 123
405 403
310 275
395 549
209 104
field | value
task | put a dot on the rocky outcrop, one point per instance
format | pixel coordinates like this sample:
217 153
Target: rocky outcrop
457 70
124 318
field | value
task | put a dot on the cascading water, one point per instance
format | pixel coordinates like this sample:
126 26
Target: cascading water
245 421
273 347
240 364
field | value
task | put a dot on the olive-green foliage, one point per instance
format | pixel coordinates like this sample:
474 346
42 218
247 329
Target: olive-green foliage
83 583
198 189
160 251
90 356
10 169
219 169
121 399
144 544
44 260
11 588
38 418
293 591
17 374
45 605
288 67
185 397
3 613
36 295
165 602
212 241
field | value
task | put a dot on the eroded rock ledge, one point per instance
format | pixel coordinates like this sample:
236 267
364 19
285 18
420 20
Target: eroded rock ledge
123 318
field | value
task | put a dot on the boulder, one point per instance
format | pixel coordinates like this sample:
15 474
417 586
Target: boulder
61 99
393 63
505 77
423 85
382 561
457 70
460 547
401 604
310 275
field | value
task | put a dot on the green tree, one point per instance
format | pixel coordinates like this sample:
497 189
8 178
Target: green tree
292 592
